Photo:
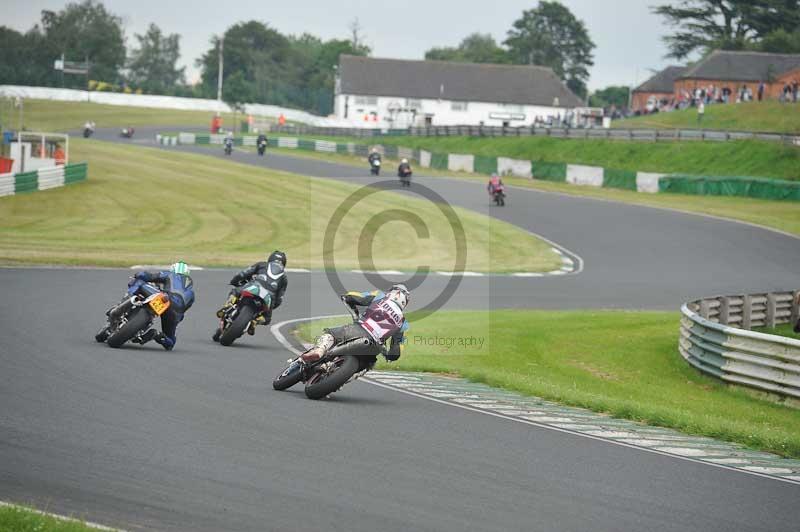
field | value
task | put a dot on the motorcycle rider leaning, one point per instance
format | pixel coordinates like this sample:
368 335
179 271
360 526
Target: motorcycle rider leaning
178 284
495 183
273 278
404 169
382 320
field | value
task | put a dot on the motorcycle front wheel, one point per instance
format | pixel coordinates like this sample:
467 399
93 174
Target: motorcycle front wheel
325 382
137 321
290 376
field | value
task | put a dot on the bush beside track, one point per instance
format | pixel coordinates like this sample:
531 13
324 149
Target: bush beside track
623 363
148 206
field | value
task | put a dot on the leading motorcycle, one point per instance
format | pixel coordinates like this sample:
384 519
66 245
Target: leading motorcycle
375 166
405 176
243 308
262 146
499 196
132 319
343 363
228 146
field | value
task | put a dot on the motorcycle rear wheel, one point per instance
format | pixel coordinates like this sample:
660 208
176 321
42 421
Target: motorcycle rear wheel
238 326
137 321
322 384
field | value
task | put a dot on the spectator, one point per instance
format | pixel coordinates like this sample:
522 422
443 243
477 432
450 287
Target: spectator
701 111
795 86
58 155
761 88
787 93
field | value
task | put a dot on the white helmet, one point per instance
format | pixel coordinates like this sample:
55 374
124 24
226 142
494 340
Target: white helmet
404 161
400 295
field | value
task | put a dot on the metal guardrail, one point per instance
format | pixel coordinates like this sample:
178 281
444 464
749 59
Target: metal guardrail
717 340
641 135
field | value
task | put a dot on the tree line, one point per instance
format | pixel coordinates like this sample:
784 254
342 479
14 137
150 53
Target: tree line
261 64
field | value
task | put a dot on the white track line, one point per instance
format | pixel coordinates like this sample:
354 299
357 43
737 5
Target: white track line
275 330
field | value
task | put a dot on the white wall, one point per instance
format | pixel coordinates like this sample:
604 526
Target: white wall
443 112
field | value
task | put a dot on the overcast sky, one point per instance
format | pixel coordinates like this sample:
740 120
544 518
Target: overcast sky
627 35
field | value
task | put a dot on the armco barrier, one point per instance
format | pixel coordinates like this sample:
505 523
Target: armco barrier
716 339
41 179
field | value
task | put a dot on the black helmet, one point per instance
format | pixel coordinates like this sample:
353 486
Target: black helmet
279 256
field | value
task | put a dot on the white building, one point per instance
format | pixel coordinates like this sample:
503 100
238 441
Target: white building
393 93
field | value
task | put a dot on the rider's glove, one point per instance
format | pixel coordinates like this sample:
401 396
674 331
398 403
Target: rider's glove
131 281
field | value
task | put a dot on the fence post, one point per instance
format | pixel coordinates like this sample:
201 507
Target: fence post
771 310
705 308
724 310
747 312
795 307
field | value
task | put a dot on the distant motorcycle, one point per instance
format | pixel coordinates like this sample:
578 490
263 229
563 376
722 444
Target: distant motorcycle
127 132
262 146
342 363
228 146
375 167
132 319
499 196
254 299
404 173
87 132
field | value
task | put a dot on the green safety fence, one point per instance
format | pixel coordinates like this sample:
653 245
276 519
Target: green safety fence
304 144
202 139
75 172
485 165
439 161
549 171
342 148
752 187
624 179
26 182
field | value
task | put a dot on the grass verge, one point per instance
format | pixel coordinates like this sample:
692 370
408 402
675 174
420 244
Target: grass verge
150 206
752 116
22 519
622 363
786 330
48 115
740 158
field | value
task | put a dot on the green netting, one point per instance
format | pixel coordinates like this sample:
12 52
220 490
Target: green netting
75 172
549 171
390 151
26 182
303 144
341 148
485 165
439 161
619 179
202 139
752 187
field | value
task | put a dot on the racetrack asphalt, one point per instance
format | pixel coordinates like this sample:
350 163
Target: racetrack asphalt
195 439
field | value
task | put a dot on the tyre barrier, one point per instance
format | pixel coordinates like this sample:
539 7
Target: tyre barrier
42 179
716 339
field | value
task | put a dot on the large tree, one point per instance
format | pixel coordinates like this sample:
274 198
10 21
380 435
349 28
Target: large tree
87 30
475 48
550 35
704 25
616 95
153 65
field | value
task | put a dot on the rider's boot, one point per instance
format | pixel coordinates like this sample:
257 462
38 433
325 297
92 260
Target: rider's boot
102 335
145 337
228 304
321 347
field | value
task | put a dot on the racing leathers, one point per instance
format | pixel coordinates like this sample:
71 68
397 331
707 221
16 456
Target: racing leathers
272 276
180 289
381 321
495 184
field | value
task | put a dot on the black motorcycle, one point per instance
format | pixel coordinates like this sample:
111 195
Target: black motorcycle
405 176
342 363
252 300
375 166
87 132
132 319
127 133
228 147
262 146
499 196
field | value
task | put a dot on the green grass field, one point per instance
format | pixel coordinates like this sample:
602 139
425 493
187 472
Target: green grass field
753 116
52 116
623 363
22 519
786 330
149 206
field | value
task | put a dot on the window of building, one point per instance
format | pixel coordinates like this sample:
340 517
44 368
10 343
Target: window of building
458 106
366 100
414 104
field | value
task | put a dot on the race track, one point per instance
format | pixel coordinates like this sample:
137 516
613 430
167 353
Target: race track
195 439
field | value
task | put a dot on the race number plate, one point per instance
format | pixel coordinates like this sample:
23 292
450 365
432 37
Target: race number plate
159 304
